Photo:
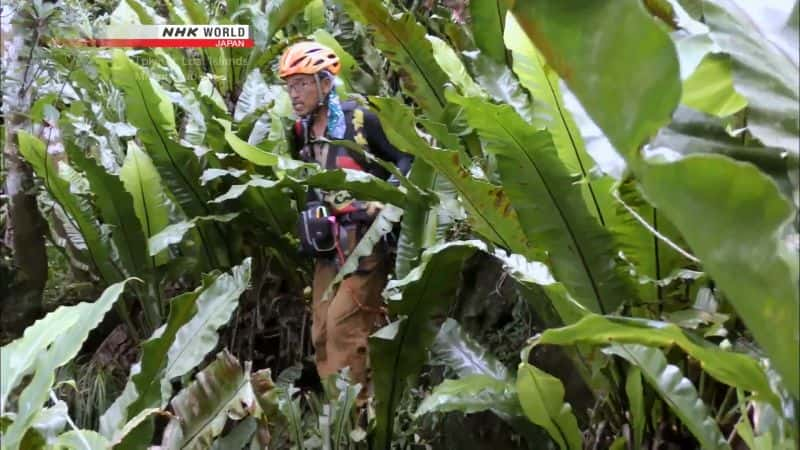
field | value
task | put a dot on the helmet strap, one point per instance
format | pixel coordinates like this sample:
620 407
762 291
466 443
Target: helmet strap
322 99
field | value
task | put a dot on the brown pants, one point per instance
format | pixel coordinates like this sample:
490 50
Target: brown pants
342 324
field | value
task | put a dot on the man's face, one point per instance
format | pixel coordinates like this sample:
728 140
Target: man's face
303 92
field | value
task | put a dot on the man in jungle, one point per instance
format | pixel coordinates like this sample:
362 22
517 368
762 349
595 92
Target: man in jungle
333 222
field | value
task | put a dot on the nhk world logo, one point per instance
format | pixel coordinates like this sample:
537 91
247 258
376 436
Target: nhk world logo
182 36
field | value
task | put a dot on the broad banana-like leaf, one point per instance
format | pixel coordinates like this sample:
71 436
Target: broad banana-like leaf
45 346
381 225
499 82
676 391
541 396
415 217
78 209
146 14
449 61
550 113
398 351
265 24
489 208
550 206
760 283
461 353
653 260
238 437
403 42
201 409
740 244
710 88
616 28
363 185
247 151
151 113
342 409
141 180
256 94
173 234
762 43
735 369
78 440
116 209
191 325
488 22
635 393
266 200
349 64
214 308
471 394
693 131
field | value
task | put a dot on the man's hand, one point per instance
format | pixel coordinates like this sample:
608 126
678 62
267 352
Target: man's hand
373 208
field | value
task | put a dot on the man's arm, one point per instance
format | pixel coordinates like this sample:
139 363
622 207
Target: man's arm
379 144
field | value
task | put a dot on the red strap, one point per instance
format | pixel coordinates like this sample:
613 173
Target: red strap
339 252
298 129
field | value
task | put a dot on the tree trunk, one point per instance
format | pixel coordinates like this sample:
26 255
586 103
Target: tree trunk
21 302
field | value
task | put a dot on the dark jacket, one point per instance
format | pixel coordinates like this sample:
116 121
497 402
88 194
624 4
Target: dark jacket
368 129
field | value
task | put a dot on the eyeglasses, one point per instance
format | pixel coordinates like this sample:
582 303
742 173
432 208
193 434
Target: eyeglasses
302 84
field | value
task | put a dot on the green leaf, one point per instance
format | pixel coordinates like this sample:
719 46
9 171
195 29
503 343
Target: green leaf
280 12
398 351
449 61
740 244
382 224
314 14
201 409
116 209
363 185
348 63
79 209
143 389
542 398
471 394
175 349
403 42
710 88
500 83
762 43
412 240
266 200
249 152
551 113
196 11
488 21
695 132
490 211
45 346
151 112
735 369
214 308
633 389
461 353
652 259
173 234
141 180
550 206
147 15
238 437
609 29
77 440
676 391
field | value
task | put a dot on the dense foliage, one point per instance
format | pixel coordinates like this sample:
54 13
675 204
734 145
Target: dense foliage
599 243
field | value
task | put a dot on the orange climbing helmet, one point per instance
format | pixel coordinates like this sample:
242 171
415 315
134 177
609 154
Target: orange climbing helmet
309 58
